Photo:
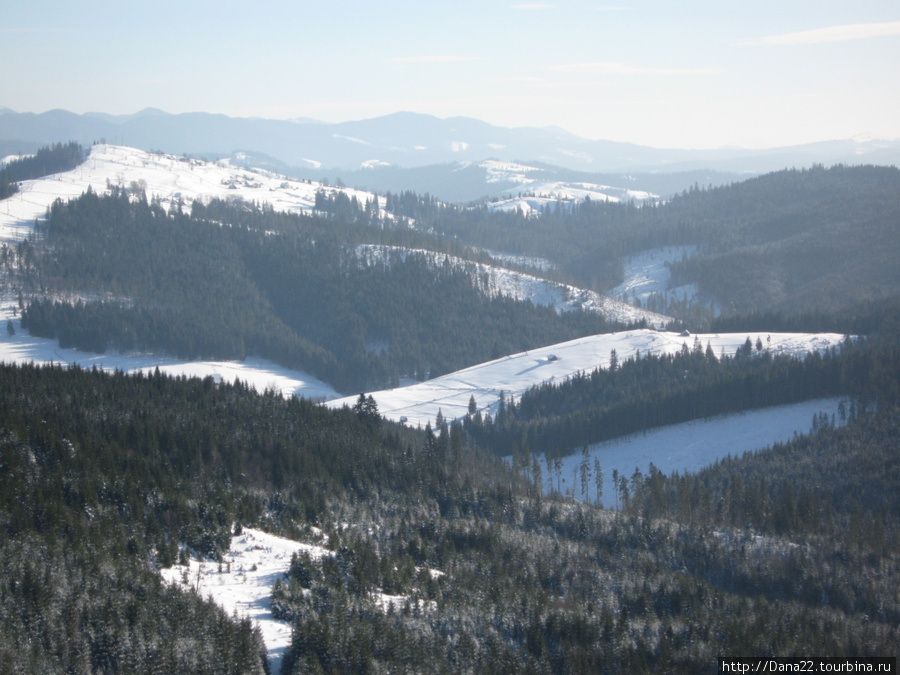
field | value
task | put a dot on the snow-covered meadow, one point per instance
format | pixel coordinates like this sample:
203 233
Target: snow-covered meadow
418 404
257 373
689 446
164 176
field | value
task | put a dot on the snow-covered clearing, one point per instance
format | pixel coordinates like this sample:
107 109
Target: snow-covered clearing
689 446
242 583
647 273
419 403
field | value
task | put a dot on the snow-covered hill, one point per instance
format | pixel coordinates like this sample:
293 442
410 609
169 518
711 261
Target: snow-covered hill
534 188
691 446
167 177
418 404
171 179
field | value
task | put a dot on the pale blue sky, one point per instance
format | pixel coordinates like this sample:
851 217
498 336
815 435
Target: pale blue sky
694 74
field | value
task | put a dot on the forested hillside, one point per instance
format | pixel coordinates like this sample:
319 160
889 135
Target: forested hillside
820 239
231 280
106 476
657 390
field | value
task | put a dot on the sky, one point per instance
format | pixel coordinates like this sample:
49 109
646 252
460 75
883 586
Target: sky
689 74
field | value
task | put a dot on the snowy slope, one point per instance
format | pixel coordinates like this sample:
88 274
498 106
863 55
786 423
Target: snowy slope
647 273
258 373
690 446
499 281
419 403
168 177
531 197
242 583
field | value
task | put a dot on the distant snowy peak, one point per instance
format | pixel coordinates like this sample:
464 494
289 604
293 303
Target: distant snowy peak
515 172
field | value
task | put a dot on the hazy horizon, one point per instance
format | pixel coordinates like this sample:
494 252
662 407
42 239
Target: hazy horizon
694 75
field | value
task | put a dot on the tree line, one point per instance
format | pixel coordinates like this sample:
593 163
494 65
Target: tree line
47 160
655 390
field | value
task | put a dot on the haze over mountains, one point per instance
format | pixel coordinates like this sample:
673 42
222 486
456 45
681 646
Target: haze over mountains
409 140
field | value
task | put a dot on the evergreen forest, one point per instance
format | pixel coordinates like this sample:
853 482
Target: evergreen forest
791 242
107 477
231 280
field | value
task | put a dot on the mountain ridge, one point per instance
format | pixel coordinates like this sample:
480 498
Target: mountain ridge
408 139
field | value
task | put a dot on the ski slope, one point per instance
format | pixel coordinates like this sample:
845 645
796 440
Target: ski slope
418 404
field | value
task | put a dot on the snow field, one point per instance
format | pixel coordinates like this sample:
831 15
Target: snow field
689 446
257 373
513 375
167 177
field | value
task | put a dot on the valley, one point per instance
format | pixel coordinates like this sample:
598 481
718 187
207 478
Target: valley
598 431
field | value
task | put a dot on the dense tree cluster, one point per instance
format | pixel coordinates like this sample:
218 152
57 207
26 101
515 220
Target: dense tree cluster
47 160
103 476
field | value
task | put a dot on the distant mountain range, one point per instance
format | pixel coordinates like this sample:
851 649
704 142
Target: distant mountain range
408 140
